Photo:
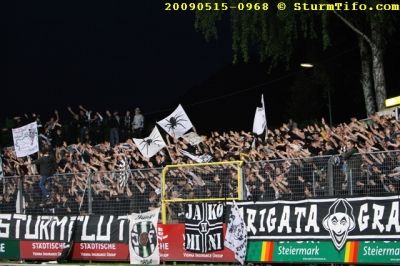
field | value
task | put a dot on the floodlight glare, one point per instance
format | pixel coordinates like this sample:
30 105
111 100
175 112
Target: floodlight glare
306 65
392 101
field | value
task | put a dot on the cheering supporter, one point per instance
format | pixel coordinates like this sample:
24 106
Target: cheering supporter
289 163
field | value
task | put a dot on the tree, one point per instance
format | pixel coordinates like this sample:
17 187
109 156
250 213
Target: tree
371 28
274 34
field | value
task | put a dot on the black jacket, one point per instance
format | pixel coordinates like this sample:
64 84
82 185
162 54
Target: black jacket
47 165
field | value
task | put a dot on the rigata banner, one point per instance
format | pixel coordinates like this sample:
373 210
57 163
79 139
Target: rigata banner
339 220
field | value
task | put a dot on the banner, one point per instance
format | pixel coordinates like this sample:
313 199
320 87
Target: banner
93 228
339 220
193 138
376 252
143 244
260 119
96 237
26 140
203 227
177 123
149 146
204 158
1 169
9 249
171 239
236 237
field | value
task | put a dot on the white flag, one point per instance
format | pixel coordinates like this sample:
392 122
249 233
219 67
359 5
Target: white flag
236 234
1 169
143 244
193 138
26 140
260 120
18 203
177 123
150 145
204 158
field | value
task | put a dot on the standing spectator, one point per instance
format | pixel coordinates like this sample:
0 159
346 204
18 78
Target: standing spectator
47 168
85 119
351 166
138 124
74 127
127 126
97 134
113 123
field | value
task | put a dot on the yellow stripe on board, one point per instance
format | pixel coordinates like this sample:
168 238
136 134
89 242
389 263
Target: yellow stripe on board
263 250
347 252
350 252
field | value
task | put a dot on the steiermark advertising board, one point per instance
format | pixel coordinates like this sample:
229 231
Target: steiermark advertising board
9 249
381 252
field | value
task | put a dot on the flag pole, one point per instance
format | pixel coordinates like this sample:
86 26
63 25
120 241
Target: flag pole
265 114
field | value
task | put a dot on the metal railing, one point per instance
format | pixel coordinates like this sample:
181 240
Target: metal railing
139 190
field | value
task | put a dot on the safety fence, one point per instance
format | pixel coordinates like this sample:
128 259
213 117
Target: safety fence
140 190
369 174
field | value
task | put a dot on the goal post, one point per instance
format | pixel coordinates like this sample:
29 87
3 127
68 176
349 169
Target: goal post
216 181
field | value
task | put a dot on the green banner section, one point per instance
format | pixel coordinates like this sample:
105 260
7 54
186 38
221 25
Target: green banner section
306 251
9 249
379 252
254 249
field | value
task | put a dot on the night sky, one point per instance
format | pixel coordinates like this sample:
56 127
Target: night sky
118 55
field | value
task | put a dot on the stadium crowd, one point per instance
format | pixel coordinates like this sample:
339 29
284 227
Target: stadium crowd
289 163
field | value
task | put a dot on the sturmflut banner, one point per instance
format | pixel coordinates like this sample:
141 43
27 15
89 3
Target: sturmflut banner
204 227
143 242
44 237
339 220
26 140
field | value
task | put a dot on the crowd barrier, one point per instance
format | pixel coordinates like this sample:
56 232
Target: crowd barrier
137 190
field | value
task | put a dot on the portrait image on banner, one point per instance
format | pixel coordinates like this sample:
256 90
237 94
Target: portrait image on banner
177 123
143 242
204 227
26 140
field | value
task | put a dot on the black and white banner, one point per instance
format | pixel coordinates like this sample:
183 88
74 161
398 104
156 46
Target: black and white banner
365 218
26 139
203 227
177 123
149 146
236 234
93 228
143 244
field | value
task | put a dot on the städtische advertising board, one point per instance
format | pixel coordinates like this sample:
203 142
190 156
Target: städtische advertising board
330 230
95 237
